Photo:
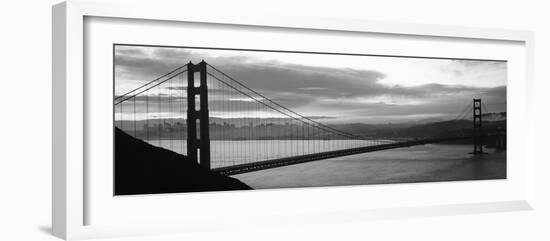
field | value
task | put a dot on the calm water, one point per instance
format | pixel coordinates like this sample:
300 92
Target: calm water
427 163
228 153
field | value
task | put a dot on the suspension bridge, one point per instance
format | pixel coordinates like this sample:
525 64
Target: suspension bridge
216 120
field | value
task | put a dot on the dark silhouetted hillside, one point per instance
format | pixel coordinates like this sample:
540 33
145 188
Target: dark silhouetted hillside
141 168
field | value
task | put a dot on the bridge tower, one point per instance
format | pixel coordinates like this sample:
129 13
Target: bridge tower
478 129
198 146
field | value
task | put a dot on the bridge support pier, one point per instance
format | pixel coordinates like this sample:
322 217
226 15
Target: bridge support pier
198 147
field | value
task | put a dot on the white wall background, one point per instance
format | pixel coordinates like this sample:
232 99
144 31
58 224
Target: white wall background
25 120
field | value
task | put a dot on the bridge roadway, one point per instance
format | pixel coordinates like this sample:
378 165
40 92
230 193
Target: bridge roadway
256 166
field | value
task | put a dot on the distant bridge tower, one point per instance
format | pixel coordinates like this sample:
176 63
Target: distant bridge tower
478 129
203 143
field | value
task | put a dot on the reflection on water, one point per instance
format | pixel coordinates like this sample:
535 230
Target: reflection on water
428 163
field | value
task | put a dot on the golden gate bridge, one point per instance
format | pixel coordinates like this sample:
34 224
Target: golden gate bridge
230 128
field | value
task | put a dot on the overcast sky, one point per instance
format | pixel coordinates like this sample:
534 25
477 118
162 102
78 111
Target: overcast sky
343 88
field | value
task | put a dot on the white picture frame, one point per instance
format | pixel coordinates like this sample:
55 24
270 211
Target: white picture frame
71 190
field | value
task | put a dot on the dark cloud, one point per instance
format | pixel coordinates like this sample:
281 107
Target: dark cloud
300 79
296 86
128 51
300 86
134 63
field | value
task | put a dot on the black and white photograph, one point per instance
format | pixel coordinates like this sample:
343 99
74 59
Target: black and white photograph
191 119
275 120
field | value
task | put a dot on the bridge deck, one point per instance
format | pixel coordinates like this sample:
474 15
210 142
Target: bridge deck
256 166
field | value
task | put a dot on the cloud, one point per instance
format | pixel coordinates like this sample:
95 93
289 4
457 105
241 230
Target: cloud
139 65
345 93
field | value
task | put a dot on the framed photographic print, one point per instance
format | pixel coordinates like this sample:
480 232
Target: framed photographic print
347 119
171 123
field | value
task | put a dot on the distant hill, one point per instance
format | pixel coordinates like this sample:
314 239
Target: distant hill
237 122
279 128
494 116
491 122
